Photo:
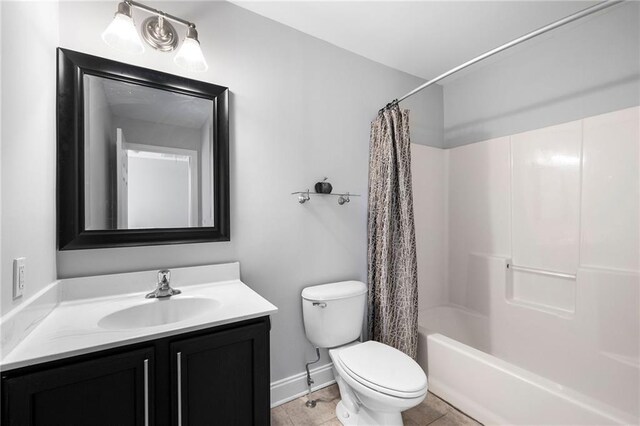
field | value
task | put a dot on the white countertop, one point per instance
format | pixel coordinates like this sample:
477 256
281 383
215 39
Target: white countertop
72 328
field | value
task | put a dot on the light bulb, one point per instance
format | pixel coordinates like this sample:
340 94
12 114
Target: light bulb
190 55
121 33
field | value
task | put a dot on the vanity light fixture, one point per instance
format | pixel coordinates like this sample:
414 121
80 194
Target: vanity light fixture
121 33
190 55
157 32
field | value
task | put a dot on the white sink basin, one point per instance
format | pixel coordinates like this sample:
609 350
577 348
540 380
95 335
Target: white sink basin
154 312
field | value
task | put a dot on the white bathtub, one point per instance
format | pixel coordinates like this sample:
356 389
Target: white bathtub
490 389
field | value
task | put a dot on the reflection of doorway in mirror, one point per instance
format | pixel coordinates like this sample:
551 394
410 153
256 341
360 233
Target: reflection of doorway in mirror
160 188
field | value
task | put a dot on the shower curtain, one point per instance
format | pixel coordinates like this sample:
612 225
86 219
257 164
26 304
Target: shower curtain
393 270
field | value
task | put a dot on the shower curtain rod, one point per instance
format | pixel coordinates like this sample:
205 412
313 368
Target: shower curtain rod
581 14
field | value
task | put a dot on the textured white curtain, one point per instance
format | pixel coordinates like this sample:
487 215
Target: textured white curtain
393 270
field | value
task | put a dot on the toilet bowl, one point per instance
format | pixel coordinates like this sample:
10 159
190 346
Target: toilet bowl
376 381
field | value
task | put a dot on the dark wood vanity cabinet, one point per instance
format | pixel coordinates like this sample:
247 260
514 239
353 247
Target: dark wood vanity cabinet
223 378
217 376
109 390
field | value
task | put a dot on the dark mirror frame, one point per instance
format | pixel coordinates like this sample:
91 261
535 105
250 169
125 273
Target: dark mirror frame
72 235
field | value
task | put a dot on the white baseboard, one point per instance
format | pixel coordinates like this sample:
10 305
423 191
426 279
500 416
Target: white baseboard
295 386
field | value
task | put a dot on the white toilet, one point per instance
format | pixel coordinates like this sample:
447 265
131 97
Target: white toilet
376 381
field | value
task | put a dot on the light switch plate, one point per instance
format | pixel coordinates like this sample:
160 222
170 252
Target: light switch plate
19 272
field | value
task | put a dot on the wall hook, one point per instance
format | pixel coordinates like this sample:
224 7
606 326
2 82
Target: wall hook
304 197
344 199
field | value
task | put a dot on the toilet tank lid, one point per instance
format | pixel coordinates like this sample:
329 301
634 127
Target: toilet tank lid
333 291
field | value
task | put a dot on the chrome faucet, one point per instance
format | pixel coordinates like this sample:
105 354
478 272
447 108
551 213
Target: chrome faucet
164 288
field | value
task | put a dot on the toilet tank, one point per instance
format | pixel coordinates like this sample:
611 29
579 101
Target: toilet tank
333 313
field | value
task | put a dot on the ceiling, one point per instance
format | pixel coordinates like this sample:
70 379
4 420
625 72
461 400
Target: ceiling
143 103
423 38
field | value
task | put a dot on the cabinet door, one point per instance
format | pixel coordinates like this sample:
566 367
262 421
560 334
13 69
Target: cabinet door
222 378
109 390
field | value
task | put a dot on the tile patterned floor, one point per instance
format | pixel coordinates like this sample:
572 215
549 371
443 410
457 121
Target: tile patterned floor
432 411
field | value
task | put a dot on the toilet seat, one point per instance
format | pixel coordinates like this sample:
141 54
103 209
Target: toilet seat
383 369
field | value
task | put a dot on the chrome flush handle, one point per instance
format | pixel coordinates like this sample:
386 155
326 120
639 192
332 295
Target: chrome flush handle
319 304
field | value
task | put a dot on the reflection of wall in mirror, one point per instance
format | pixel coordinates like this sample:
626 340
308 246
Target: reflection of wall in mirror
206 175
100 131
122 181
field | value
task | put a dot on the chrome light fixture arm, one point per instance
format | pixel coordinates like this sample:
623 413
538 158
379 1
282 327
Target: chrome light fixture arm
159 13
157 31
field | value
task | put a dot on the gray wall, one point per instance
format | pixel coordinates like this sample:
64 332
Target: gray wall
427 129
29 36
300 109
587 68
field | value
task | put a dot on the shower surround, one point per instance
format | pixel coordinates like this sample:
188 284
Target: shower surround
563 199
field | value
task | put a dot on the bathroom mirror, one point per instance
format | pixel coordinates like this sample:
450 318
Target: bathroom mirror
142 156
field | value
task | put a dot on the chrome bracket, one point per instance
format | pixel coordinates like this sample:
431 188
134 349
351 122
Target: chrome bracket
304 197
344 199
159 33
